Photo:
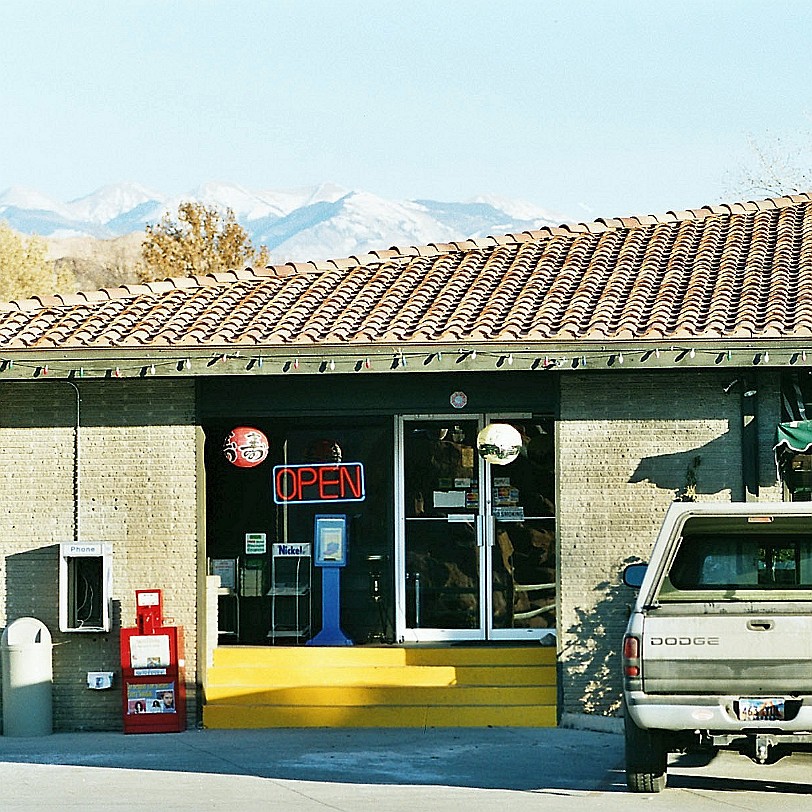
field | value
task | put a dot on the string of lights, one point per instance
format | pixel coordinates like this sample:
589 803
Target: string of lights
276 361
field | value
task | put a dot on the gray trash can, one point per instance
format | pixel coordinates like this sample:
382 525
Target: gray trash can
26 655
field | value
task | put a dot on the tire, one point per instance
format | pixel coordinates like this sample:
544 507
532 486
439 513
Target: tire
646 758
645 782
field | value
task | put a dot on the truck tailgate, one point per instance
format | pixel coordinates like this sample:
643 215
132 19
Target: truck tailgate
733 654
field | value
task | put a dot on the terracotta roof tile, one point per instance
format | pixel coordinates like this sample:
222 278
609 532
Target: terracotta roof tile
740 270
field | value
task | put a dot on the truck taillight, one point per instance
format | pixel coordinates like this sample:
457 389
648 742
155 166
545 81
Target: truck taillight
631 656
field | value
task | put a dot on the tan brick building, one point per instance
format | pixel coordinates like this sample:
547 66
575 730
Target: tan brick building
639 360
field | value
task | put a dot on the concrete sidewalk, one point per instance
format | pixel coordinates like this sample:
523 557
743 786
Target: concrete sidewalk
387 770
339 769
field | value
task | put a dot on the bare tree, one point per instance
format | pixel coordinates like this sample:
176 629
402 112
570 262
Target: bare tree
780 166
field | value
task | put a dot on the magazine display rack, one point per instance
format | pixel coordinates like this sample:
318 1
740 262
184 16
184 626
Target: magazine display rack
290 592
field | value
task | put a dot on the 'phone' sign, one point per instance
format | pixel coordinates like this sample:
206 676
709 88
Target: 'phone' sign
311 484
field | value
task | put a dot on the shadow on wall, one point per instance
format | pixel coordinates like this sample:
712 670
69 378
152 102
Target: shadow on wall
680 472
593 664
32 586
32 590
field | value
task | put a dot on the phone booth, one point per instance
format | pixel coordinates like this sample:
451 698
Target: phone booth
153 680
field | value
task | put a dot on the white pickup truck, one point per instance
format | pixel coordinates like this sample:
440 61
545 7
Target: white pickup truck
718 649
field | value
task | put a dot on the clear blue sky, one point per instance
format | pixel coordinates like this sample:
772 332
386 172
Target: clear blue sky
589 109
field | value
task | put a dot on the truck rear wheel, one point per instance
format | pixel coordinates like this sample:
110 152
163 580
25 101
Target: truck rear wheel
646 758
645 782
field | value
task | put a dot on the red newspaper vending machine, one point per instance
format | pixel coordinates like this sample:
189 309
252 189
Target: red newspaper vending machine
152 678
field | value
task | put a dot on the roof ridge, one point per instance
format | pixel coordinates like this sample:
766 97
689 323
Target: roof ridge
598 226
135 289
602 224
395 253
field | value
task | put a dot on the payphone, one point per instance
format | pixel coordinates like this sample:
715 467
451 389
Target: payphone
153 679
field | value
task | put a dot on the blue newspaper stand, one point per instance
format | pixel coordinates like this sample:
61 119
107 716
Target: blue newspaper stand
330 553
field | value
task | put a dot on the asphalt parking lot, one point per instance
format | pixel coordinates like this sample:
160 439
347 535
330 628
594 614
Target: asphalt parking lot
391 769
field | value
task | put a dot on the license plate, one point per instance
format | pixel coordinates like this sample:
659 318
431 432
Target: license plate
765 709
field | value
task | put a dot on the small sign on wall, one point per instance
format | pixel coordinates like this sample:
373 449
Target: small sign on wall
256 544
226 568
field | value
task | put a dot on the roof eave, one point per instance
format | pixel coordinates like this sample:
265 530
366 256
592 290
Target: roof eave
400 357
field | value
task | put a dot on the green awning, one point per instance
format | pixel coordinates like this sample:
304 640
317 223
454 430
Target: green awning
793 437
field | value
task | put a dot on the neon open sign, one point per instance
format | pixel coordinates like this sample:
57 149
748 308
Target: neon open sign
309 484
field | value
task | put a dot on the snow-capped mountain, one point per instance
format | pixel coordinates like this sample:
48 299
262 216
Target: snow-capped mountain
310 223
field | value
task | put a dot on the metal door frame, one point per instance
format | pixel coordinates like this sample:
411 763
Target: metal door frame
486 536
490 530
415 635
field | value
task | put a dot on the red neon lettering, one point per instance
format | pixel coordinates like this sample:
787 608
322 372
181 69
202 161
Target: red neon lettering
312 478
281 491
346 478
325 483
318 483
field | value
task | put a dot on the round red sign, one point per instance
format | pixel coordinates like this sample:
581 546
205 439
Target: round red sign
245 447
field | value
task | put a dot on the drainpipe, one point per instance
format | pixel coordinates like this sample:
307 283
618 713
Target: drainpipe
76 528
750 445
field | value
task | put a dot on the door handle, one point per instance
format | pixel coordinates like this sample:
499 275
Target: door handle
760 625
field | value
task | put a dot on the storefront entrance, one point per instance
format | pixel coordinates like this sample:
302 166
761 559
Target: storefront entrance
475 542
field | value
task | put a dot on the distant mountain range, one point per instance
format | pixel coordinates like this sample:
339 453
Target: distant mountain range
313 223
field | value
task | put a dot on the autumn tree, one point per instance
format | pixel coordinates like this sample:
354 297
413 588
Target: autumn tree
25 269
200 241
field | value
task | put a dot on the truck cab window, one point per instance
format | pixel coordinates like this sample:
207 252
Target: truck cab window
742 562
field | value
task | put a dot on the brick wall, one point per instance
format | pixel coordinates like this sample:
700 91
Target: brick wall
625 442
138 489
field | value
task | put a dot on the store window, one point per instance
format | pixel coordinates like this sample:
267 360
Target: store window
250 513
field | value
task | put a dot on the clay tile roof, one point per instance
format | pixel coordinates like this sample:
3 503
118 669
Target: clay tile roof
738 270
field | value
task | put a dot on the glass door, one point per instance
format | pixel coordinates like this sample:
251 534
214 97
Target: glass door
521 534
475 541
441 561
